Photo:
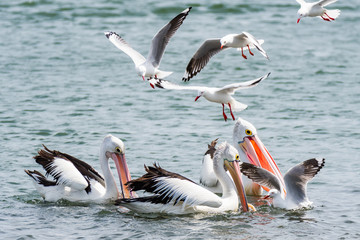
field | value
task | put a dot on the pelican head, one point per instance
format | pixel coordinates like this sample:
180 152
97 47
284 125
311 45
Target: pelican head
227 157
248 143
114 148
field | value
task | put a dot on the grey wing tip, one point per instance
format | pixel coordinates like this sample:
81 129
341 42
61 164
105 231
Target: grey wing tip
109 34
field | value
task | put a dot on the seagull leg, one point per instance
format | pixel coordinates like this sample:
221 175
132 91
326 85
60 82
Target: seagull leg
242 53
225 117
156 77
232 115
326 19
329 16
249 50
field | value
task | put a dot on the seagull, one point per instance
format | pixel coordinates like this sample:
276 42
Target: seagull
212 94
77 181
296 180
316 9
172 193
148 67
212 46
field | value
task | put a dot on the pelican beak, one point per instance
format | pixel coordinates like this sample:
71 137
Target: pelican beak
258 155
123 172
298 20
234 169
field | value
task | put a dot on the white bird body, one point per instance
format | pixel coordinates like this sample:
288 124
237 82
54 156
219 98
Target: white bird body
210 47
217 95
149 67
316 9
296 180
75 180
175 194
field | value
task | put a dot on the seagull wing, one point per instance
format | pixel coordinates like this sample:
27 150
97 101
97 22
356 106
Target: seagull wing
120 43
160 83
162 38
324 3
202 56
256 44
298 176
231 88
260 176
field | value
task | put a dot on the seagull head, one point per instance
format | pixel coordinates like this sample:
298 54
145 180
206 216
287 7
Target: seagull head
200 93
226 40
301 13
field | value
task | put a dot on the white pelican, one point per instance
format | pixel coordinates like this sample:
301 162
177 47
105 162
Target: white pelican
251 150
212 46
148 67
316 9
174 194
75 180
296 179
217 95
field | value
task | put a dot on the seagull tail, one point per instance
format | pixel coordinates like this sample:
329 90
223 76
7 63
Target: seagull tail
163 74
333 13
237 106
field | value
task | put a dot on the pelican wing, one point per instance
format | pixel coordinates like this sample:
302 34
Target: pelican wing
231 88
298 176
67 169
162 38
120 43
169 85
169 187
256 44
202 56
260 176
324 3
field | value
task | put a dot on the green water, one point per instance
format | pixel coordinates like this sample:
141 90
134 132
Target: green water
65 85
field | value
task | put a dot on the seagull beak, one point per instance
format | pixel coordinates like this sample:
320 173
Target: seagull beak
197 97
234 169
221 47
298 20
258 155
123 172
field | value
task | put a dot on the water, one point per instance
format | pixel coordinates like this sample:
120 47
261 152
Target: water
65 85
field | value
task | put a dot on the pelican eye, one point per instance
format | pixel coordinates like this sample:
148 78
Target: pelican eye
118 149
248 132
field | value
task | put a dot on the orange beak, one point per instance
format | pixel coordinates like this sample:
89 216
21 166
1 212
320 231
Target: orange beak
235 173
258 155
123 172
221 47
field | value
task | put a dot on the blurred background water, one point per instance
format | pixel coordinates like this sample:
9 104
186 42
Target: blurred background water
65 85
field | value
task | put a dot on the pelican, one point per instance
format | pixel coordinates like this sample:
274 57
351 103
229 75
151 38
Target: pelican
316 9
77 181
174 194
296 179
214 45
148 67
251 150
217 95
